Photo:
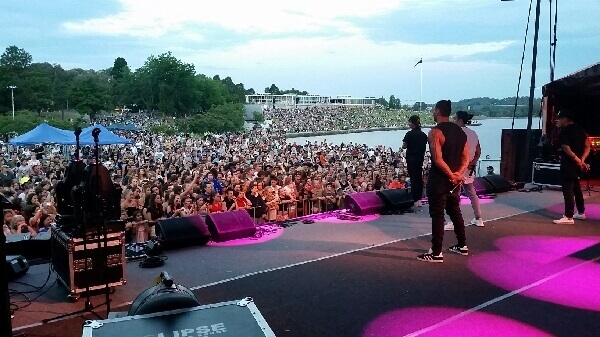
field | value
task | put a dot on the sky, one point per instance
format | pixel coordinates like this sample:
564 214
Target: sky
470 48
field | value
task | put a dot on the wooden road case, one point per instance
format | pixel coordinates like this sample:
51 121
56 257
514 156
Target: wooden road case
226 319
69 258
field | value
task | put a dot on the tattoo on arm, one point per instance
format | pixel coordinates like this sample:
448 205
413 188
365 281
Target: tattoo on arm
436 140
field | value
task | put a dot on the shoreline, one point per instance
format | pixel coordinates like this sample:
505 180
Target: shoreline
340 132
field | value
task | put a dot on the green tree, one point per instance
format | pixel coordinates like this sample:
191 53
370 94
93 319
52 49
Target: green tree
211 92
273 89
119 69
15 57
90 94
167 84
219 119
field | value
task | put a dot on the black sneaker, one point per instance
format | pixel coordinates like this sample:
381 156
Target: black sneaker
429 257
464 250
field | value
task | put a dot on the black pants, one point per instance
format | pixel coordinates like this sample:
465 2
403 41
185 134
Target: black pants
440 201
573 196
415 172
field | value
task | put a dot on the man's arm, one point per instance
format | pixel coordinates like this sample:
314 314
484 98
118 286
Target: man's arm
464 160
569 153
477 155
586 149
436 140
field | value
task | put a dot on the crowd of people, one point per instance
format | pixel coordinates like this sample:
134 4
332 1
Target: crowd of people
333 118
171 176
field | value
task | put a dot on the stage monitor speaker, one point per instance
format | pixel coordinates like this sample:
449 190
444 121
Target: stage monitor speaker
182 232
230 225
482 186
396 199
32 248
16 265
363 203
500 184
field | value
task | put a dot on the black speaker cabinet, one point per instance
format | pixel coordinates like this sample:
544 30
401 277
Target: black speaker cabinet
16 265
396 199
500 184
80 267
230 225
182 232
363 203
483 186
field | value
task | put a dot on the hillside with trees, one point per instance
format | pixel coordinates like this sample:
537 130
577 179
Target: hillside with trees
164 83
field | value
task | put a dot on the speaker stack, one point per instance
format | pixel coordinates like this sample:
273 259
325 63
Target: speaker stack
396 199
195 231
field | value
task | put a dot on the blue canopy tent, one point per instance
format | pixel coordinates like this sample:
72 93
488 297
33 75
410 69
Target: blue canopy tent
131 127
116 126
105 138
43 133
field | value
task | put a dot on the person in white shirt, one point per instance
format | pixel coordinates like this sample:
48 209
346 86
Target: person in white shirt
462 119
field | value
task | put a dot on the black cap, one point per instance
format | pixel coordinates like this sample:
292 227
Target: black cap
565 113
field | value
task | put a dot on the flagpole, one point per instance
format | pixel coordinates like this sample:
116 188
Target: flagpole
421 101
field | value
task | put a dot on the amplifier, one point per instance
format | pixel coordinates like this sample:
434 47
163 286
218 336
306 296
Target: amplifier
80 267
546 174
235 318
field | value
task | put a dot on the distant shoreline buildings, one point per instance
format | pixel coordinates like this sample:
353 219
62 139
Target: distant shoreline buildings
292 100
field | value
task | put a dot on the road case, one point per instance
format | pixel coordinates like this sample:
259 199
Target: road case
546 174
226 319
70 259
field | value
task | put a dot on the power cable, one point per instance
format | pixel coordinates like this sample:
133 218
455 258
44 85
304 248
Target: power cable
522 62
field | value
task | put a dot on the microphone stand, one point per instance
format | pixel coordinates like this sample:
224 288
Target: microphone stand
101 224
5 316
88 306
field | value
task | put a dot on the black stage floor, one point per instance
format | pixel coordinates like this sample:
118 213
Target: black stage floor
524 277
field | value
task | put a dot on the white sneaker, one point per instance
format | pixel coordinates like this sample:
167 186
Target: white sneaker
419 203
477 222
564 221
449 226
579 216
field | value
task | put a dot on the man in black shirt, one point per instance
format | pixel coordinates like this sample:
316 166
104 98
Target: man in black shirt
449 159
415 142
575 147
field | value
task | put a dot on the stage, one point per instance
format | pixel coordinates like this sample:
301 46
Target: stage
525 276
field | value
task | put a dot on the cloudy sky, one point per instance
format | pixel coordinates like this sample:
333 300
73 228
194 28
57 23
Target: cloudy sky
470 48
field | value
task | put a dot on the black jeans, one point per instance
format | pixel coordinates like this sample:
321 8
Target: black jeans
415 172
573 196
440 201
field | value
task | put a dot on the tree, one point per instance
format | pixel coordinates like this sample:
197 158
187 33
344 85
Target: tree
167 84
14 57
120 69
273 89
90 94
219 119
211 92
381 101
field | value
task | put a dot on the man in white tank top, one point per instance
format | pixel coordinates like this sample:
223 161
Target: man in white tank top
462 119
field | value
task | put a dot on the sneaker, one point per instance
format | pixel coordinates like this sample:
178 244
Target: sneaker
429 257
449 226
464 250
419 203
477 222
564 221
579 216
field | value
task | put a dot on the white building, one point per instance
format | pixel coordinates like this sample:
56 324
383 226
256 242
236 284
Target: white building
291 100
